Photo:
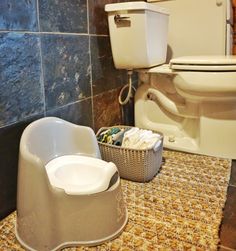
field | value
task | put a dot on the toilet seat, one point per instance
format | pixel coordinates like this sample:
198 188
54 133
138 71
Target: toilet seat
204 63
77 174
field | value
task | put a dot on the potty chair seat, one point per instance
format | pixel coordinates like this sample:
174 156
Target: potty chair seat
78 175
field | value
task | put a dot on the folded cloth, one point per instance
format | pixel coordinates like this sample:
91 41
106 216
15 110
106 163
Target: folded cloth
112 136
118 138
130 137
107 135
140 139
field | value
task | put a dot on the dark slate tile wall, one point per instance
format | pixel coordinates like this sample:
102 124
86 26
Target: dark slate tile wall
68 16
18 15
66 69
21 93
55 60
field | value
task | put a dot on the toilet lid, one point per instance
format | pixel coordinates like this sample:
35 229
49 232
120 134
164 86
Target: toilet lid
77 174
132 6
204 63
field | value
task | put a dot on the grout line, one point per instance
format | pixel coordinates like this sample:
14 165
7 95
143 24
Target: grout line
41 64
98 35
90 64
111 90
63 33
91 81
88 20
53 33
42 77
41 113
37 9
21 120
71 103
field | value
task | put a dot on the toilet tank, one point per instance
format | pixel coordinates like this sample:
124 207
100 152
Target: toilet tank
138 34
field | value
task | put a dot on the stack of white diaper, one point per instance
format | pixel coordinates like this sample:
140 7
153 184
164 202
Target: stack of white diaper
141 139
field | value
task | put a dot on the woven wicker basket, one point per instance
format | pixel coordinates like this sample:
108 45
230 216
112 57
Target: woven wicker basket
133 164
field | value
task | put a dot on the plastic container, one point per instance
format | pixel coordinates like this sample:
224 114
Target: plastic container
49 218
133 164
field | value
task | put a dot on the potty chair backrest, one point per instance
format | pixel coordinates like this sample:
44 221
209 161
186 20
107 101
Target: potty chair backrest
51 137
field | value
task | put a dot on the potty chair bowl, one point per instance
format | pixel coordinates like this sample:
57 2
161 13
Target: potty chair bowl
66 195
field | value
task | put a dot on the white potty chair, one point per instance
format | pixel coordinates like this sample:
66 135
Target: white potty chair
66 194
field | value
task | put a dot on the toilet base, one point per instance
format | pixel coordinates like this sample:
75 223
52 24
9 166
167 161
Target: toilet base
177 140
212 132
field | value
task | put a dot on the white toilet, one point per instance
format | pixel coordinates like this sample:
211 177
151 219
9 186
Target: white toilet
192 99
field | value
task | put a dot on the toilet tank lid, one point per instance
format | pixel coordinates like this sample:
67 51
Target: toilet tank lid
135 6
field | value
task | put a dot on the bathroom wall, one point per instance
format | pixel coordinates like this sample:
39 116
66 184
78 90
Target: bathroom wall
55 60
234 5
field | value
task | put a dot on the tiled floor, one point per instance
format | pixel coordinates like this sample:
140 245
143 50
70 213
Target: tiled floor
228 227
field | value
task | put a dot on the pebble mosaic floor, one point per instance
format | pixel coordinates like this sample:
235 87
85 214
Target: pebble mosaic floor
180 209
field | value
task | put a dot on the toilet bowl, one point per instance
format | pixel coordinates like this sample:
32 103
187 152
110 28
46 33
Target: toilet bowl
192 101
208 78
66 195
80 174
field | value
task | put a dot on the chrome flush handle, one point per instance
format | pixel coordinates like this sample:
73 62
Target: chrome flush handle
118 18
